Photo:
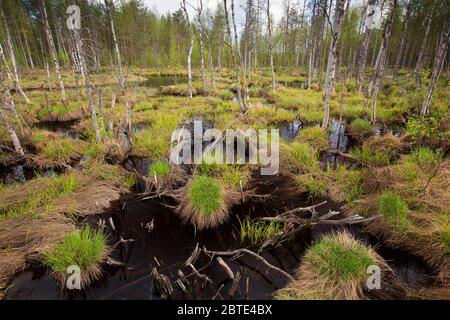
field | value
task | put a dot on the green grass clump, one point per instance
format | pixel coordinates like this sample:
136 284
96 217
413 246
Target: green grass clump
301 156
226 95
361 127
424 158
235 177
258 232
315 184
393 209
370 158
340 261
84 248
60 109
61 150
315 136
205 194
266 115
143 106
159 168
112 174
148 143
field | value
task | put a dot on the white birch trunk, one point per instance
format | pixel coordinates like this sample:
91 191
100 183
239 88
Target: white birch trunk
332 60
52 48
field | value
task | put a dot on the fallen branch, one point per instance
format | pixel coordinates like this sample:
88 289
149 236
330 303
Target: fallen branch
251 253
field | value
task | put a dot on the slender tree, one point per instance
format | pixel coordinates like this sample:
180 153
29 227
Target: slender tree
51 44
332 59
110 8
439 61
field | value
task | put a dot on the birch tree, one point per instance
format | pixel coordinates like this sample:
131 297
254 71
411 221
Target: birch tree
437 68
191 48
87 82
15 74
332 59
418 69
398 60
364 48
51 44
270 44
381 62
241 100
110 9
201 31
9 110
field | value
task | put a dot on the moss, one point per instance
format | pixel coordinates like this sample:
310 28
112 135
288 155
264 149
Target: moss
205 195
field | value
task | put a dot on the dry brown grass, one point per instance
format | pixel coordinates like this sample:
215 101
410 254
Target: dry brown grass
425 226
24 238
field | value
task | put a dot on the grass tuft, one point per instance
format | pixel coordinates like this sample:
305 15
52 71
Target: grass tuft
205 194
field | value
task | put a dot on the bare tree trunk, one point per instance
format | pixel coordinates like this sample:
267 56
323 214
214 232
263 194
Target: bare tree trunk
15 75
437 69
381 62
364 49
211 63
403 41
87 81
12 133
191 48
298 35
111 116
332 59
418 69
101 109
270 44
29 53
128 117
239 59
201 31
52 48
235 62
11 108
202 54
110 7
